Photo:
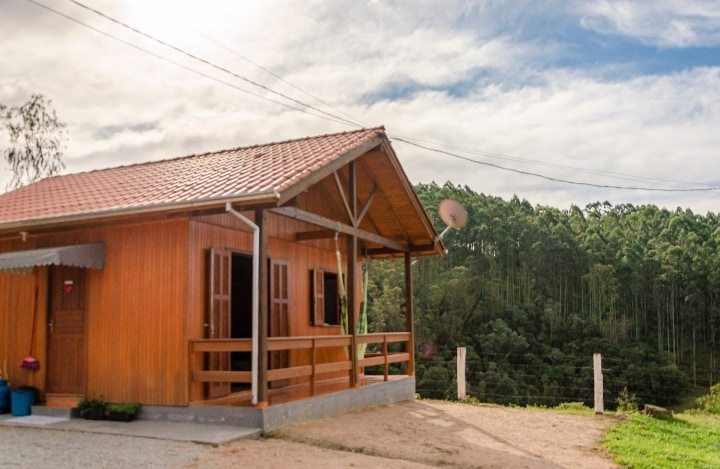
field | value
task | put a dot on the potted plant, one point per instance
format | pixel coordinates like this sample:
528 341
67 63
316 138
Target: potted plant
92 408
123 412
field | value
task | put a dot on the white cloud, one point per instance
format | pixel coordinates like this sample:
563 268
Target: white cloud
665 23
467 82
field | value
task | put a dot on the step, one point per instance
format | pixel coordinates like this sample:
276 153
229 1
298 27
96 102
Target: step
45 411
62 400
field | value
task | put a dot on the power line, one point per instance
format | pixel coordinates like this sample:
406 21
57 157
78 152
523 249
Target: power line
274 75
185 67
211 64
503 156
549 178
338 119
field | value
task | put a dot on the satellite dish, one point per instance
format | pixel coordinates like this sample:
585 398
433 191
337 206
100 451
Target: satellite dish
453 214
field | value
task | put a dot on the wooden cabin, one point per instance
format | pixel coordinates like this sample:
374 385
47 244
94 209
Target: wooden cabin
210 279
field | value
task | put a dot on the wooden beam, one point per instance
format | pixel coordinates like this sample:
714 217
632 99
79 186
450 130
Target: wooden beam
365 208
340 189
313 219
411 249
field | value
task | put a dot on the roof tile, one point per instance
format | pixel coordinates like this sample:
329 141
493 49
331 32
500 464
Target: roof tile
228 173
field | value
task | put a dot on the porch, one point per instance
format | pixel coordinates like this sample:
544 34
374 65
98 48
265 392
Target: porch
309 373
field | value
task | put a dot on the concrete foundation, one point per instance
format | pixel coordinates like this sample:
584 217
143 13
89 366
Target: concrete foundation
277 416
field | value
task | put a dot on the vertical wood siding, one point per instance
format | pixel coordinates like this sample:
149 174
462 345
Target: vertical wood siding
136 346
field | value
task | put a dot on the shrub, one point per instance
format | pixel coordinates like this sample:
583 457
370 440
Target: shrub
627 402
710 403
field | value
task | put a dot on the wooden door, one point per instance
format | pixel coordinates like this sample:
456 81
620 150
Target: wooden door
66 343
279 323
218 321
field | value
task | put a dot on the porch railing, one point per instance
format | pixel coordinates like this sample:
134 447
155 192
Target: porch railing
313 370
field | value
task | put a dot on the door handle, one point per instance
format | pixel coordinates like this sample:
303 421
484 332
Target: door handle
50 325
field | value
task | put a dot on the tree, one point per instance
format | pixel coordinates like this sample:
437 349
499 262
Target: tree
37 140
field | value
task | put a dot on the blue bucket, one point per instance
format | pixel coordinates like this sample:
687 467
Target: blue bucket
22 401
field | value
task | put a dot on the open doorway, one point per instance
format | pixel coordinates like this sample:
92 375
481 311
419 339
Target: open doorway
241 296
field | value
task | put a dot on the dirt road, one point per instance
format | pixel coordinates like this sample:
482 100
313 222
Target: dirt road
427 434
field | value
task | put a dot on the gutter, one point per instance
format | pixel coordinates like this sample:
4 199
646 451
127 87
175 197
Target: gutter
255 299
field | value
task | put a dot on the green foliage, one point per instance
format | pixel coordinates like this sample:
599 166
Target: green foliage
533 292
131 408
435 383
576 408
645 442
710 403
626 402
92 407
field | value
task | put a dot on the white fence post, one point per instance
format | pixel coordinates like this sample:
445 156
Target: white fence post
597 369
461 351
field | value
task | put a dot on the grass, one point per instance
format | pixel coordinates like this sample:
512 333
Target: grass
685 441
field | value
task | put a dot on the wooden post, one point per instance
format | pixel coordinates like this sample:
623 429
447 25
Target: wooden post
409 321
597 369
461 353
352 247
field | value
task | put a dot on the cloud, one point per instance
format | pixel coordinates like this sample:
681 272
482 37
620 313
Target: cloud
663 23
485 76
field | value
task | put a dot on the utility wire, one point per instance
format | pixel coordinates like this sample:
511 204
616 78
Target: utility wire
185 67
338 119
207 62
501 156
528 173
274 75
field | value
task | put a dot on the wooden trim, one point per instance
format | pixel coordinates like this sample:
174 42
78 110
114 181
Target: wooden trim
414 249
288 373
222 345
313 219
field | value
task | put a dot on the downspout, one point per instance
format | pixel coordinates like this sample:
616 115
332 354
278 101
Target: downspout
255 299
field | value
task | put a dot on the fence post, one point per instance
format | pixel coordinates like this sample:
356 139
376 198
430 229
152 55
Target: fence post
461 352
597 369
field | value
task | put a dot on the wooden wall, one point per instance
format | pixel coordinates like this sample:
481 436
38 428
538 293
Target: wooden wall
17 294
136 347
150 299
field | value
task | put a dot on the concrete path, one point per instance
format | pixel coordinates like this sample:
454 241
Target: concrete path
188 432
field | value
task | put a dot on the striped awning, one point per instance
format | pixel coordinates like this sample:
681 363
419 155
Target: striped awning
80 255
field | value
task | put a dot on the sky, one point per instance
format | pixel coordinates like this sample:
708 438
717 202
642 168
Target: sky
560 103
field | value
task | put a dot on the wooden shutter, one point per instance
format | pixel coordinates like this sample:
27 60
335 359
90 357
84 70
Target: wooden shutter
279 314
317 297
218 322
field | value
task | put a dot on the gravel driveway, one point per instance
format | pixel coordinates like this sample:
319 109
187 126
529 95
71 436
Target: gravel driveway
31 448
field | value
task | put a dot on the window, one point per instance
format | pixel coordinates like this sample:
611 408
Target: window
325 303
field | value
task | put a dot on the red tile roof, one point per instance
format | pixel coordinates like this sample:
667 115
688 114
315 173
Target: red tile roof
248 171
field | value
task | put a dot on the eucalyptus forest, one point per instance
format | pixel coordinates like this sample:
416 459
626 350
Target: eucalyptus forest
532 292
